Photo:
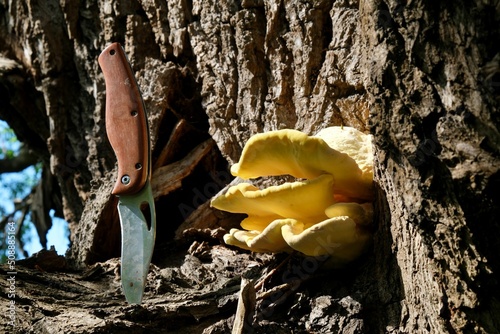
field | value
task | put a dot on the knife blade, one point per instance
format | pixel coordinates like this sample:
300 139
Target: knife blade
128 133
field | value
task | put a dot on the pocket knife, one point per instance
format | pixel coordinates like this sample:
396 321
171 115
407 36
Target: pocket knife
128 134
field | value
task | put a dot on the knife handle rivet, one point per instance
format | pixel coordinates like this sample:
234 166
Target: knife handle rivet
125 179
134 113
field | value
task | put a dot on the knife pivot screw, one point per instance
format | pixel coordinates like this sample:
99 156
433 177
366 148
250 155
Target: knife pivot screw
125 179
134 113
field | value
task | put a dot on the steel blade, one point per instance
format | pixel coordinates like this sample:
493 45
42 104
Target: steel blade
137 242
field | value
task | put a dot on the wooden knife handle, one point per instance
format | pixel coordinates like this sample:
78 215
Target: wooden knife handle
126 122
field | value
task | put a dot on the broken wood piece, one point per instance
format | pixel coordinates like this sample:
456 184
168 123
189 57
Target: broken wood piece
168 150
245 310
169 178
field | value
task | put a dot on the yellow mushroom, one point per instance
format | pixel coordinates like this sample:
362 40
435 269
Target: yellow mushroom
295 153
338 237
238 238
318 216
269 240
302 200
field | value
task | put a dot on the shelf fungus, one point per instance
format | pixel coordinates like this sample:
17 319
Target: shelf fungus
327 212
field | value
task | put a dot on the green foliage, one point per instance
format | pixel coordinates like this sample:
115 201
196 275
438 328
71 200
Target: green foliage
9 144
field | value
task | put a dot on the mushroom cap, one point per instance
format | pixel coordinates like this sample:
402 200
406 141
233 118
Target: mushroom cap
339 237
303 200
295 153
269 240
354 143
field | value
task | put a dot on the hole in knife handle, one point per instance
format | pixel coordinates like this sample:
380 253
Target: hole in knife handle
126 179
147 214
112 52
134 113
138 166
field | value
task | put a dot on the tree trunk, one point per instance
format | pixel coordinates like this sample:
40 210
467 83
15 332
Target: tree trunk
421 76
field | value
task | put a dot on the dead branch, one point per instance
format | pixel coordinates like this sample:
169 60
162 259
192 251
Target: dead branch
169 178
22 160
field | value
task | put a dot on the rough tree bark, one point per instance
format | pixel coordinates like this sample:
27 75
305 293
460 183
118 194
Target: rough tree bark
421 76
